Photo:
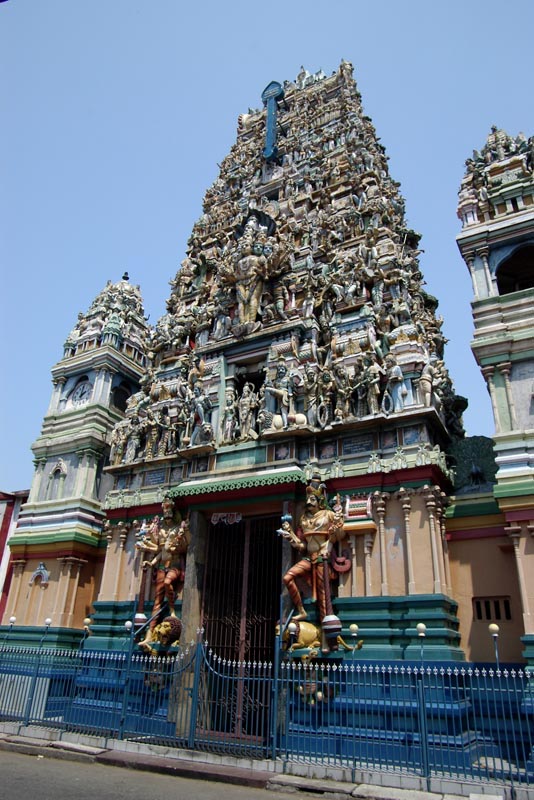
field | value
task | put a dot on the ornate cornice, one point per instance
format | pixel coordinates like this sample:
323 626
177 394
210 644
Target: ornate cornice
232 484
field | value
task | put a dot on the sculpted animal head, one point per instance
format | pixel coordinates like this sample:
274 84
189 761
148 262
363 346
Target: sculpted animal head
168 632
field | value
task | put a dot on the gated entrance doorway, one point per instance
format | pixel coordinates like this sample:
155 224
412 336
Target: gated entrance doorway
241 601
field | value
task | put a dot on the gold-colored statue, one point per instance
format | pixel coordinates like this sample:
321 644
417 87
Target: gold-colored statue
306 635
165 634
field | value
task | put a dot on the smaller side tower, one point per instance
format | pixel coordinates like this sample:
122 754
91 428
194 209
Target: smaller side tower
496 207
57 548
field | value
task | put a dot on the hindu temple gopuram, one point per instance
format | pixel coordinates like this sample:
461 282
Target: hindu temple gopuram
286 441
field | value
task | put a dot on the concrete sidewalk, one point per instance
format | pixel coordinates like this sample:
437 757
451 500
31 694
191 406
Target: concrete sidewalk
244 772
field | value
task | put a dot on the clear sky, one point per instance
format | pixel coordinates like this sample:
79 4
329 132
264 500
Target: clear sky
116 112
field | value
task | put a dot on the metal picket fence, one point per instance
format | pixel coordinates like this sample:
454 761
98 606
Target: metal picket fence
469 723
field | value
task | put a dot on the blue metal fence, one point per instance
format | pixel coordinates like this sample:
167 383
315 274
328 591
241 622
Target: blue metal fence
460 722
465 723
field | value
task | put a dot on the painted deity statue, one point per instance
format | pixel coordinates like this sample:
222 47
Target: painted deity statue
167 542
247 405
280 389
248 272
229 418
319 527
255 258
199 418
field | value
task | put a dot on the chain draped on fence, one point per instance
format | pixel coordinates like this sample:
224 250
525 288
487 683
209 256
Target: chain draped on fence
462 722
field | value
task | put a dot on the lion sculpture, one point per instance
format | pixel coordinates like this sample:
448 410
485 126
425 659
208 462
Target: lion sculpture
165 634
308 636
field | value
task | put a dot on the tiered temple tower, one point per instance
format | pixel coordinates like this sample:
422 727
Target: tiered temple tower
57 550
298 340
496 207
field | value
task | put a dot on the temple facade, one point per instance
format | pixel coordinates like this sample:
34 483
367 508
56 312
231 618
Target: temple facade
286 442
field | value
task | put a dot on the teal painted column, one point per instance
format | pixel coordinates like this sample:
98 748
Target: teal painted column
528 652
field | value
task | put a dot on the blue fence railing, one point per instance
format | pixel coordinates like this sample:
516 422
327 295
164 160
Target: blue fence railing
471 723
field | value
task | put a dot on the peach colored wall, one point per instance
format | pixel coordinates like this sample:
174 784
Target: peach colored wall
486 568
396 550
376 573
421 548
90 577
360 570
35 603
395 545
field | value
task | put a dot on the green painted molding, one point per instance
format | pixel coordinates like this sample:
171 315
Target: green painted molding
31 636
518 487
528 652
107 631
38 539
504 299
388 627
462 507
496 358
233 484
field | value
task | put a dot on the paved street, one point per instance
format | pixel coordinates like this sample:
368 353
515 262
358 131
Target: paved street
25 776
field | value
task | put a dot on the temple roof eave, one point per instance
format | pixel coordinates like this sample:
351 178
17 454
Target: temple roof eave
243 481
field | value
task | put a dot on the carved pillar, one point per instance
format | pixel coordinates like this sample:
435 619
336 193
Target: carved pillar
368 549
353 555
79 486
490 283
134 588
447 588
488 373
406 504
39 465
380 508
430 501
108 573
100 385
78 563
347 580
86 473
93 488
90 464
67 587
491 279
58 383
514 532
470 261
102 391
505 370
122 529
16 584
61 589
89 470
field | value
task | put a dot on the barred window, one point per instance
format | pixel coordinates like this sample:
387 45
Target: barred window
492 609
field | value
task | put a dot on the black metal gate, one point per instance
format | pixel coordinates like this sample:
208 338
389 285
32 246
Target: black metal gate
241 605
242 589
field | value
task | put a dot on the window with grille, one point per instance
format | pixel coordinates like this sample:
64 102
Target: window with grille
492 609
